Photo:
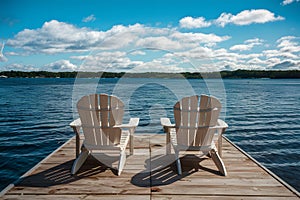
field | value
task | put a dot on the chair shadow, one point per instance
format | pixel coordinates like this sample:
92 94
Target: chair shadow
61 174
158 173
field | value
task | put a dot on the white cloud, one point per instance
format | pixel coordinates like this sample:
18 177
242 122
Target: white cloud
19 67
161 42
58 37
194 39
247 17
61 65
156 66
241 47
286 2
137 52
287 65
190 22
256 61
248 45
289 44
117 61
90 18
106 61
278 53
110 50
11 53
197 53
255 41
288 48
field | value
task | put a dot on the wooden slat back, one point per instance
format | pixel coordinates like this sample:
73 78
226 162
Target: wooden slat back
194 104
104 110
210 108
87 119
193 117
116 112
98 114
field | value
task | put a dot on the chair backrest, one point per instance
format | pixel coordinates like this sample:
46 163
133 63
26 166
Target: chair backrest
194 116
99 113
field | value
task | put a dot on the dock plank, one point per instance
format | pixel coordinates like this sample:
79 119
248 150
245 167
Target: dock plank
149 174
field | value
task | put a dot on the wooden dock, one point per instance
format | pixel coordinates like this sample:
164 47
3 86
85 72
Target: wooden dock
149 174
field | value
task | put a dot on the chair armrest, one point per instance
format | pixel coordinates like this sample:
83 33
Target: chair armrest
131 126
165 122
222 124
133 122
76 123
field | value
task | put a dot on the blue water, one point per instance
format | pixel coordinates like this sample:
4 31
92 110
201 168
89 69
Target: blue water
263 116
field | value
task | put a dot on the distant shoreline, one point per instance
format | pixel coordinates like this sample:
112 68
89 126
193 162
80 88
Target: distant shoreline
238 74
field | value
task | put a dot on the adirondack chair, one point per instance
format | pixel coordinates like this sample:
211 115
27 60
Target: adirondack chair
101 118
196 128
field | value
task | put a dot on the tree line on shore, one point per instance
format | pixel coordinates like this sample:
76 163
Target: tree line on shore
274 74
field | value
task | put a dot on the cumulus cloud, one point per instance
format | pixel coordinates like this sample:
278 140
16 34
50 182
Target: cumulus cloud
289 44
273 53
247 17
248 45
56 37
162 42
194 39
59 37
190 22
61 65
138 52
156 66
19 67
287 48
286 56
256 61
116 61
286 2
197 53
286 65
11 53
90 18
241 47
110 50
106 61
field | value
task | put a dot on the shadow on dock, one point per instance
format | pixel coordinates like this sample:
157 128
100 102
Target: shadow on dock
61 174
160 174
150 174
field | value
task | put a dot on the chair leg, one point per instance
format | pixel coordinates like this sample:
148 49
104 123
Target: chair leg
178 162
79 161
121 162
218 162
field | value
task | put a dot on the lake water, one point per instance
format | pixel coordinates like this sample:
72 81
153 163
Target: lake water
263 116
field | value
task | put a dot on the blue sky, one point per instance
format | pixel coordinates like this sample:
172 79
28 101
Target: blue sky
156 35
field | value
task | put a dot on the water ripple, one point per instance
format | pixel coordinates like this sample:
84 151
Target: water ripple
264 121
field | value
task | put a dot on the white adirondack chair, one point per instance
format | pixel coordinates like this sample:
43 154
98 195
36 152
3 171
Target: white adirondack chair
196 128
101 118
